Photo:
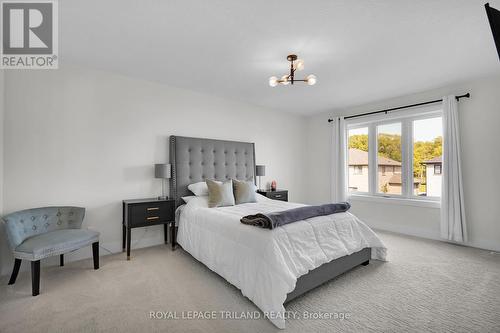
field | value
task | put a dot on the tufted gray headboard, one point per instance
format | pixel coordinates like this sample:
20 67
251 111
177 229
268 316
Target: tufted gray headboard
195 159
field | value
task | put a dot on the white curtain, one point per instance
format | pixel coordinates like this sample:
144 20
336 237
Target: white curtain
453 226
339 188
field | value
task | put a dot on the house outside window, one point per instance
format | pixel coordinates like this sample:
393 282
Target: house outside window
358 161
433 172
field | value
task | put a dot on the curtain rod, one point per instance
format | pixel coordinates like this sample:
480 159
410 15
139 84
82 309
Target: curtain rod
401 107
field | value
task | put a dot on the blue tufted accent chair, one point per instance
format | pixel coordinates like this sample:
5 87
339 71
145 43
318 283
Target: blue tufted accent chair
38 233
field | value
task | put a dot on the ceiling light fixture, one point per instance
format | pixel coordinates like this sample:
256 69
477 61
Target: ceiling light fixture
295 64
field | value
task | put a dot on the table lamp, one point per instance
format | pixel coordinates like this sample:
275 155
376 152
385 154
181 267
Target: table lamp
260 170
163 171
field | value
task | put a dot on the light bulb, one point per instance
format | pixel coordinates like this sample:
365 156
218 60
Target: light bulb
284 80
311 79
299 64
273 81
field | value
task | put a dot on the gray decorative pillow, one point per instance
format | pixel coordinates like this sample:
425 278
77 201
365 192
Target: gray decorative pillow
244 191
220 195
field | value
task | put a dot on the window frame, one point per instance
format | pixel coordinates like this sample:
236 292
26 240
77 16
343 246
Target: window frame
406 118
355 126
375 175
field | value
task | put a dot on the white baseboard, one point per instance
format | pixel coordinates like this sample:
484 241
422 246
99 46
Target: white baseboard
428 234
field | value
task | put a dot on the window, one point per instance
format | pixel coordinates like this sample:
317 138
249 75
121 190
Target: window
427 152
389 154
406 160
358 159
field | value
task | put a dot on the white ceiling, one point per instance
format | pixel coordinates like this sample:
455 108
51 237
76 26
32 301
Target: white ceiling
361 51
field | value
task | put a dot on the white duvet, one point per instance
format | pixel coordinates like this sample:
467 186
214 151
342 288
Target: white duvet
265 264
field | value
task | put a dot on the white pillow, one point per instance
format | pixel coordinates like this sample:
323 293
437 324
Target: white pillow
200 189
186 199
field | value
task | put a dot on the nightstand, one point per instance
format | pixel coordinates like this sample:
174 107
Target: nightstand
275 195
146 212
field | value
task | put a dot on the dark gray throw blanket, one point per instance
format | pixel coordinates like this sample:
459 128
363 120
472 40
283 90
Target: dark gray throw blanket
277 219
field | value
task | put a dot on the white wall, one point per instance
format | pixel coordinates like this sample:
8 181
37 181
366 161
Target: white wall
90 138
480 121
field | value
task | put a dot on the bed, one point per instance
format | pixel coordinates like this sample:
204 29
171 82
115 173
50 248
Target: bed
270 267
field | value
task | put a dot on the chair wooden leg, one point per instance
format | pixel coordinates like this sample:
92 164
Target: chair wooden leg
15 271
95 254
61 260
35 277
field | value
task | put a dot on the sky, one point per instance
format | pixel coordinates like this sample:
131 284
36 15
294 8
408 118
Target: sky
427 129
423 130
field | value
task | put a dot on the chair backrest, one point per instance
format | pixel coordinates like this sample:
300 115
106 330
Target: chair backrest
31 222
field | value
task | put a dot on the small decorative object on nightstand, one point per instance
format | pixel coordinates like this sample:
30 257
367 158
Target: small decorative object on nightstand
273 185
163 171
146 212
276 195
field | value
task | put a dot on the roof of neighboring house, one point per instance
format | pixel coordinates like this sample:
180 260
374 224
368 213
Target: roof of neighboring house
396 179
360 157
435 160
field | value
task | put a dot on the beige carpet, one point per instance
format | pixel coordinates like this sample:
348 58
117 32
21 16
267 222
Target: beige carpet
426 286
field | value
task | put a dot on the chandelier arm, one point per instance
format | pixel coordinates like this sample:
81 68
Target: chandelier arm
287 78
296 80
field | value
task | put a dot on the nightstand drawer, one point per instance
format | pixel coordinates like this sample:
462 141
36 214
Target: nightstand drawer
278 196
275 195
150 213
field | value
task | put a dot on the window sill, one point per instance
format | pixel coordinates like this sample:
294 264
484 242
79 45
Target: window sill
396 200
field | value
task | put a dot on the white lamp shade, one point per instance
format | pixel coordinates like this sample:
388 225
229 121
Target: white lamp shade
273 81
311 79
299 64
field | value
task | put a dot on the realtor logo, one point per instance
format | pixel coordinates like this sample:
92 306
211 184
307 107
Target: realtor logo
29 34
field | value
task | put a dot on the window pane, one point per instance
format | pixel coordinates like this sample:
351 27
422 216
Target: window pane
427 156
358 159
389 158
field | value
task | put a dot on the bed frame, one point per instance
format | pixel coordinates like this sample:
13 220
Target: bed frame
196 159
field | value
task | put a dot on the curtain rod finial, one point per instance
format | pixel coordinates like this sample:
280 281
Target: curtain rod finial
463 96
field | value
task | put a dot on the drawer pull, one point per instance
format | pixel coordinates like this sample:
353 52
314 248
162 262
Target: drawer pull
152 218
277 195
152 208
